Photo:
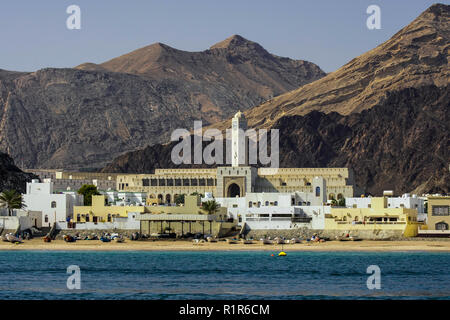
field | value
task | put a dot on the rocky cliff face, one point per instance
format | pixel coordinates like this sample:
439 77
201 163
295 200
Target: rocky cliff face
83 117
402 144
385 114
417 55
11 177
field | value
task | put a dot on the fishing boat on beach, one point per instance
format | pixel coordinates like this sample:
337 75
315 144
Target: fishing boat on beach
12 238
231 241
266 241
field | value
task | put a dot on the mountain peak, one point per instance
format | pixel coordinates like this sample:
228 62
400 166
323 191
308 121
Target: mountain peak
233 42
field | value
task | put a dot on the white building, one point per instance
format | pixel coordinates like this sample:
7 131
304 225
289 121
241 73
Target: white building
406 200
281 211
55 207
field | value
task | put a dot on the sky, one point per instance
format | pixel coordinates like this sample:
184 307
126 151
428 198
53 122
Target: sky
329 33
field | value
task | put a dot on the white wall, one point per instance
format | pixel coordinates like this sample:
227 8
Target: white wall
128 223
40 198
407 200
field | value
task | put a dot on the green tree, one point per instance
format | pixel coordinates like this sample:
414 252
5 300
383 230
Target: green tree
341 202
88 190
211 206
11 199
197 194
179 199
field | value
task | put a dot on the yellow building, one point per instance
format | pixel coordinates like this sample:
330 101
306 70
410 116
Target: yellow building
438 213
188 218
378 218
100 211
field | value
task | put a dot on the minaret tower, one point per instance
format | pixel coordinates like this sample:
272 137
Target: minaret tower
239 146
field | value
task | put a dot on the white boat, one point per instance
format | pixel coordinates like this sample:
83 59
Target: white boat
211 239
279 241
266 241
12 238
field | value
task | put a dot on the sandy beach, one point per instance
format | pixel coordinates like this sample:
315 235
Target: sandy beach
180 245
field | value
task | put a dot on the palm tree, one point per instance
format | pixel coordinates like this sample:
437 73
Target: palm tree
211 206
11 199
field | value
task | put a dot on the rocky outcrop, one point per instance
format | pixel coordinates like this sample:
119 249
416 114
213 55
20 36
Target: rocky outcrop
11 177
83 117
416 56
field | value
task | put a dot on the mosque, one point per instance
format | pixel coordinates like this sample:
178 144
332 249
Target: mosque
236 180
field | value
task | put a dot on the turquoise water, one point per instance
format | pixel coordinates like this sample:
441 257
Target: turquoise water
223 275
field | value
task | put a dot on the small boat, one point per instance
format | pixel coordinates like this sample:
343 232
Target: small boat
105 239
245 241
266 241
68 238
211 239
295 240
279 241
119 239
12 238
231 241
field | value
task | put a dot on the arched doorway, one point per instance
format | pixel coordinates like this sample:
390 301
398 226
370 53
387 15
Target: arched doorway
160 198
167 198
233 191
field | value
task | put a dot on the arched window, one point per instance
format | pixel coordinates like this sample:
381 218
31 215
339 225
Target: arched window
87 217
441 226
109 217
275 203
267 203
249 204
259 204
53 204
46 218
317 191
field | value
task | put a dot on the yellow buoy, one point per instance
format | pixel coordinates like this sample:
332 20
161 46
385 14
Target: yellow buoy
282 253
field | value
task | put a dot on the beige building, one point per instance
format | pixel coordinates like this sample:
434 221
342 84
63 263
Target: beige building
188 218
377 218
438 213
166 184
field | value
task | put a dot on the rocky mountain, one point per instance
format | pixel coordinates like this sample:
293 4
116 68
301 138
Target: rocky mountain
80 118
402 144
12 177
417 55
385 114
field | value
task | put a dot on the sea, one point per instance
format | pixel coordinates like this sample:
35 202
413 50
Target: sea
223 275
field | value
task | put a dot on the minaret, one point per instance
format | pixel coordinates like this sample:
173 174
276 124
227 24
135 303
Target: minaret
239 146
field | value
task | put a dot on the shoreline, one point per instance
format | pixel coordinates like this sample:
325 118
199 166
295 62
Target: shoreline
179 245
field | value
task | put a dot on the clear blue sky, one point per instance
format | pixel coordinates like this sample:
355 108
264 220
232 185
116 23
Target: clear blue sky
330 33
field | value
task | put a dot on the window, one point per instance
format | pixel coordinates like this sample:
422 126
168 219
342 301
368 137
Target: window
267 203
145 182
46 218
249 204
317 191
275 203
441 226
78 217
53 204
439 210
